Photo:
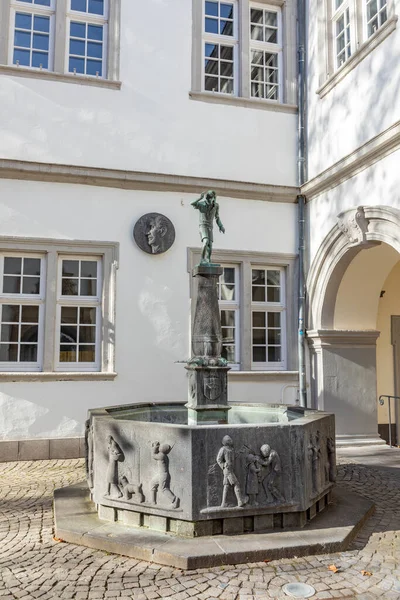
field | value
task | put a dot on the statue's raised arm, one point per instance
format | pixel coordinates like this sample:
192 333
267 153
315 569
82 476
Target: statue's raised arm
208 208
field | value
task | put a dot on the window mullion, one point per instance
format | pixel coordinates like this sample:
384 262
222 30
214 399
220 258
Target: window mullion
60 35
50 308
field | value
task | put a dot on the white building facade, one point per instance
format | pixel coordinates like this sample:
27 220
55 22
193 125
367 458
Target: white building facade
112 110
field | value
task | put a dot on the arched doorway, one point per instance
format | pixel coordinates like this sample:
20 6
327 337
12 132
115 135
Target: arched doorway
346 312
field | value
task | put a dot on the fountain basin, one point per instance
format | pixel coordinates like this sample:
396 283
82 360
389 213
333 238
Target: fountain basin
268 467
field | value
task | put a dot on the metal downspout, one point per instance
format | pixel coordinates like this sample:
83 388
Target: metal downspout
302 178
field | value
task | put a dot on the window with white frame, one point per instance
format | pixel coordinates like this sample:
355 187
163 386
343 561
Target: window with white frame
32 39
68 37
87 26
342 31
56 328
265 52
241 47
376 15
268 317
79 313
258 322
22 309
220 41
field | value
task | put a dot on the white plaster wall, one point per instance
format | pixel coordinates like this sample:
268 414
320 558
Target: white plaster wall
377 185
151 124
389 305
153 304
362 105
358 296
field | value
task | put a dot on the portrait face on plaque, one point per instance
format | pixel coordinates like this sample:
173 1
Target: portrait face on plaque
154 233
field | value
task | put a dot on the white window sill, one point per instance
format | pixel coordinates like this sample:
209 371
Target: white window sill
368 46
217 98
264 375
61 77
56 376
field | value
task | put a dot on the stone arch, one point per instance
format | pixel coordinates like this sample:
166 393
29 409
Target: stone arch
357 229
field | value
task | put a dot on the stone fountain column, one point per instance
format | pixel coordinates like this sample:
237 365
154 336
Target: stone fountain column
208 371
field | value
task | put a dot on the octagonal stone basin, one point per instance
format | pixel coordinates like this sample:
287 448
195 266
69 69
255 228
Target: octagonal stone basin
269 467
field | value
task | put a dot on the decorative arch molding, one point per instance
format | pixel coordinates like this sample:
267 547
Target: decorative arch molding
356 229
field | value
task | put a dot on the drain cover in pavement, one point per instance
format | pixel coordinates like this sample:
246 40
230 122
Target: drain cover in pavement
298 590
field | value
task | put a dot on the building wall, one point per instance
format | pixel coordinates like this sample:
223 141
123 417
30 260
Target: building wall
152 296
151 124
362 105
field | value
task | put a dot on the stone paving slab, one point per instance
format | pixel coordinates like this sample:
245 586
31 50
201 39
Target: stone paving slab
332 530
34 565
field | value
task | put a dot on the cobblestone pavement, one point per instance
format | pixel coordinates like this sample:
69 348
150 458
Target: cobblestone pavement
34 565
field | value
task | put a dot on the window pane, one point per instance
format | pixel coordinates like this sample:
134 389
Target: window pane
271 36
76 65
69 287
211 84
257 33
70 268
273 277
258 294
77 47
28 353
40 59
78 30
68 334
273 294
211 67
259 336
96 7
87 315
274 336
23 21
30 314
88 287
95 32
228 352
258 277
226 53
259 354
226 69
274 319
94 67
87 354
227 292
11 285
31 285
8 352
10 313
69 314
226 11
9 333
226 86
32 266
274 354
22 57
67 353
226 27
22 38
211 25
256 16
12 265
211 50
29 333
78 5
41 24
228 334
227 318
271 19
259 319
211 8
87 335
40 41
43 2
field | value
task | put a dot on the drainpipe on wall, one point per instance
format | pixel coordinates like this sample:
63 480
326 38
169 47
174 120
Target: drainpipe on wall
302 178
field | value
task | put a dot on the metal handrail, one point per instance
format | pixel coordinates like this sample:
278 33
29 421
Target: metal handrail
382 402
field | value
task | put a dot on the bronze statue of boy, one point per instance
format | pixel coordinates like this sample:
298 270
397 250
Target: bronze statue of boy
208 207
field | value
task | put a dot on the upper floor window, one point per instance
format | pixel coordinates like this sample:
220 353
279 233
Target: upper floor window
342 31
85 45
376 15
241 48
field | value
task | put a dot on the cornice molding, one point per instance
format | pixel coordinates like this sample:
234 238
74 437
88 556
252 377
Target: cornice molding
337 338
141 180
378 147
